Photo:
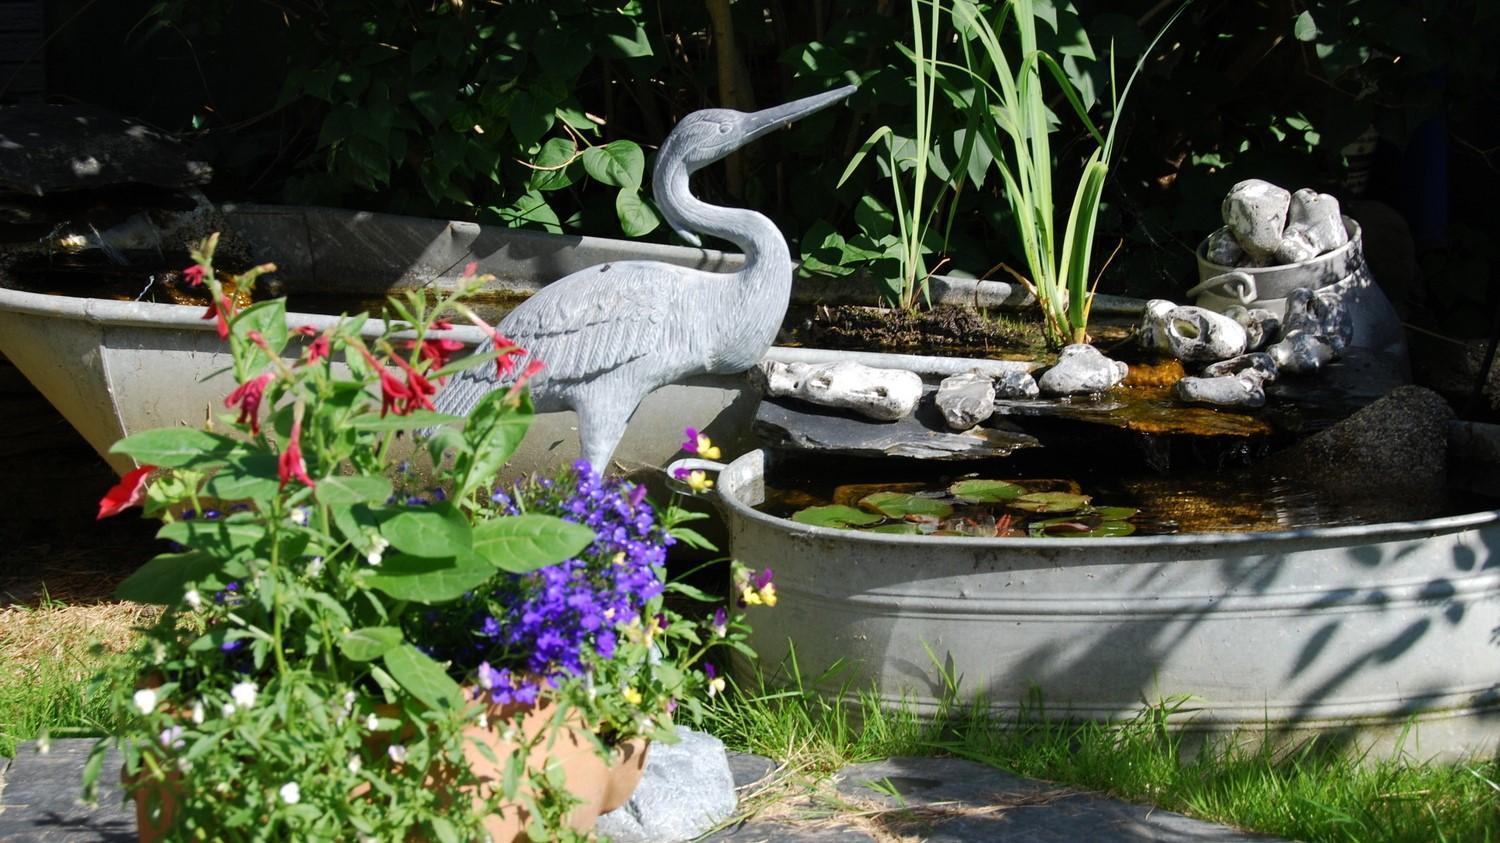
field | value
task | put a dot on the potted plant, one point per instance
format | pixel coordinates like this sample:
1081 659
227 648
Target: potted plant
352 648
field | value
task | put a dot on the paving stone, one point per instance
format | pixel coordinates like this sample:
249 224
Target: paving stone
39 797
779 832
748 769
950 800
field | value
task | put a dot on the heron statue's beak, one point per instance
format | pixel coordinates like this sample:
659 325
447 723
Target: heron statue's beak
767 120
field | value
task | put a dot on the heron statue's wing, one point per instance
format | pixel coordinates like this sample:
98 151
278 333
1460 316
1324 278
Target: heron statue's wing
581 326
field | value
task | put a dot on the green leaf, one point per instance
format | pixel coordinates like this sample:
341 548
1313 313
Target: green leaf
530 117
432 531
900 505
985 491
336 490
422 677
837 516
1075 527
523 543
411 421
225 539
369 643
1305 29
1050 502
493 431
552 162
164 579
269 319
531 209
178 447
252 476
424 579
618 163
637 219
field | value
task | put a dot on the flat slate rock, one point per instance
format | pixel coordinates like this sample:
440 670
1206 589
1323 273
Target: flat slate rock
946 800
40 797
46 149
783 832
749 770
797 425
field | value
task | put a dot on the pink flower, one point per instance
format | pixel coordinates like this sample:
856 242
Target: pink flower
418 388
437 351
223 310
291 464
193 274
531 371
319 347
125 494
391 389
469 269
248 396
509 350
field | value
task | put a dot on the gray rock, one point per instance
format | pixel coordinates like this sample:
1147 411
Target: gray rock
1262 327
1295 246
1194 334
1301 353
1223 249
1259 362
1081 370
1393 449
42 796
1323 314
1256 212
749 769
686 789
885 394
1317 216
965 399
1246 389
1015 385
782 423
1152 332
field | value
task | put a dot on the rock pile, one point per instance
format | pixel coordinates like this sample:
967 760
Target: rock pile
1265 225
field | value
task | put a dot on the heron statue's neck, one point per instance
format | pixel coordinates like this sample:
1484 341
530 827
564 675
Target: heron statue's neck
758 293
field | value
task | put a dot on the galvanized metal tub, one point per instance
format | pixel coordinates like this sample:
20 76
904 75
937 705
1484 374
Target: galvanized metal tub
1348 631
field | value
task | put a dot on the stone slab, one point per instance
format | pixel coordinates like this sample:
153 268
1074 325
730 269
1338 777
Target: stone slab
779 832
789 423
946 800
40 797
749 770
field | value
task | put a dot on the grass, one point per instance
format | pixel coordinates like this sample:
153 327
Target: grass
1309 791
50 653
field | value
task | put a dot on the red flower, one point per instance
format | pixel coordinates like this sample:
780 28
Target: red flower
319 347
469 269
221 310
438 351
126 493
291 464
509 350
248 396
418 388
391 389
194 274
530 372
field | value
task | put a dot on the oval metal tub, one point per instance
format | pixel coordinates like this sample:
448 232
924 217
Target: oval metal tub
1352 632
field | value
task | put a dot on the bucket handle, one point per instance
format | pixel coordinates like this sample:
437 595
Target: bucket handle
1236 285
683 466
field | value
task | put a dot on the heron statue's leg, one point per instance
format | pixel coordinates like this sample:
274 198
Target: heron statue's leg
600 429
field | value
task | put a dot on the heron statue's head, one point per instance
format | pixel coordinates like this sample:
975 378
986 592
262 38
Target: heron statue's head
704 137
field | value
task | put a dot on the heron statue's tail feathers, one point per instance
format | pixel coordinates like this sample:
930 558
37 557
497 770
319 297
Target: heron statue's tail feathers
465 389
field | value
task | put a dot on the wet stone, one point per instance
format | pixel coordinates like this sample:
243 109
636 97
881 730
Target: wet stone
1015 385
1243 390
1081 369
788 424
965 399
1262 327
1259 362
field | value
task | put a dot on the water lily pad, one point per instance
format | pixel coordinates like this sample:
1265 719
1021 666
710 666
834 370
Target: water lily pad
1051 502
905 528
1079 528
900 505
850 494
985 491
836 516
1113 513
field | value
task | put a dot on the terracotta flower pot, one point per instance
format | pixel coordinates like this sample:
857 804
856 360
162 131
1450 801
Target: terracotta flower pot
600 784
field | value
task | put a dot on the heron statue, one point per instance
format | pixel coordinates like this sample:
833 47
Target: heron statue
611 334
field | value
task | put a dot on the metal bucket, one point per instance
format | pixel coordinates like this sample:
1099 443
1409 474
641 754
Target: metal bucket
1353 631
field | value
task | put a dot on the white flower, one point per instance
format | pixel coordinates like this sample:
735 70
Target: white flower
372 722
145 700
397 752
291 793
171 738
483 720
227 710
373 557
349 699
355 764
315 567
244 694
193 599
299 516
378 544
197 714
184 765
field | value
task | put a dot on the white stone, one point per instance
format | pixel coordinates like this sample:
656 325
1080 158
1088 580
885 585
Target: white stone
1301 353
1223 249
686 789
1256 212
1317 214
1081 370
1259 363
1243 390
882 394
1197 334
1295 246
1262 327
1152 333
965 399
1015 385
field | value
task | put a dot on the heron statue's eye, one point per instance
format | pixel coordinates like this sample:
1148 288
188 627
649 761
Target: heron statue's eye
723 128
